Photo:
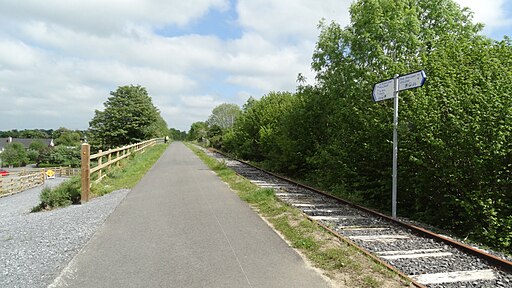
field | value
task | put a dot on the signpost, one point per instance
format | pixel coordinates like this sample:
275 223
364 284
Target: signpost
389 89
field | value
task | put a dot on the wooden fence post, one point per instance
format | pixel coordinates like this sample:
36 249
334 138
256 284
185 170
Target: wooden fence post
86 175
100 161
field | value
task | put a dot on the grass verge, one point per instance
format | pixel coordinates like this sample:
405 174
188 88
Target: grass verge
340 262
126 175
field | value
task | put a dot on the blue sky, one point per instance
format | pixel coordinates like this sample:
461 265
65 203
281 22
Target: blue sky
60 59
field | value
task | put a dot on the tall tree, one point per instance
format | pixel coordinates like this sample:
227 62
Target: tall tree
455 132
198 131
224 115
129 117
68 138
176 134
14 155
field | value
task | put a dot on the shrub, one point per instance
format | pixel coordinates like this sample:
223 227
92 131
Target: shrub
65 194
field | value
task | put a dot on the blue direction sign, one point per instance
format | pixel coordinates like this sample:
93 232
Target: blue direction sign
383 90
411 80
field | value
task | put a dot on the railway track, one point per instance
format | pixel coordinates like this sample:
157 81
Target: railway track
428 259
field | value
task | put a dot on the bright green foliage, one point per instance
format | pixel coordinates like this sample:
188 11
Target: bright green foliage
198 131
63 156
224 116
34 150
66 137
63 195
37 145
256 134
129 117
215 134
455 133
14 155
60 156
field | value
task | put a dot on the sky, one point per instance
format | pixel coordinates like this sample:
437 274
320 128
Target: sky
59 60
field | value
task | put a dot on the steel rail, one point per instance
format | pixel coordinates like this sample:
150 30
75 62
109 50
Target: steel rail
366 252
495 261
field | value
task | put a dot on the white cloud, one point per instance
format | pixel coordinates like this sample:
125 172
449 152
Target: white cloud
60 59
109 17
80 51
283 19
16 55
489 12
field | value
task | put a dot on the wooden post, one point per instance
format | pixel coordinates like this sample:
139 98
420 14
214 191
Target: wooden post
109 160
86 172
117 156
100 161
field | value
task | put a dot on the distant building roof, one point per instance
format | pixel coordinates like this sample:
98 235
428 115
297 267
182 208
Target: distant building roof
24 141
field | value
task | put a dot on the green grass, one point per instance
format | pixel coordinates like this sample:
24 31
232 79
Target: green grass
335 258
126 175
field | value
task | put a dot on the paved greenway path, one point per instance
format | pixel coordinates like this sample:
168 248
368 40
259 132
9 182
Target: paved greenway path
182 227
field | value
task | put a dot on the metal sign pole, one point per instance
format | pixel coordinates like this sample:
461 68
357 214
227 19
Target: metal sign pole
389 89
395 148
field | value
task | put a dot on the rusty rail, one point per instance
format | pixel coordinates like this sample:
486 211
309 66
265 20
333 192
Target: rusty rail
493 260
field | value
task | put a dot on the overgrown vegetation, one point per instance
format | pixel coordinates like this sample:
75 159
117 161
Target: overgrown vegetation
126 175
65 194
455 133
340 262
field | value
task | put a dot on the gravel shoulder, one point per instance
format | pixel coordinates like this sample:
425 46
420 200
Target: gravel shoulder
35 247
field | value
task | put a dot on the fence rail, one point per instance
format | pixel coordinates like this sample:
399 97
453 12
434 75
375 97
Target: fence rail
22 180
104 160
14 184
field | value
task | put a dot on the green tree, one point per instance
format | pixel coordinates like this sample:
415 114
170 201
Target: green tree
14 155
68 138
60 156
455 132
224 115
35 149
257 132
178 135
129 117
34 133
36 145
198 131
455 145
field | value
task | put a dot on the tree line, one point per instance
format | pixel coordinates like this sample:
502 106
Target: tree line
129 117
64 152
455 144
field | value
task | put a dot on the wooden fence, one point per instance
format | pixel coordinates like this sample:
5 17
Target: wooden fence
29 178
102 161
15 184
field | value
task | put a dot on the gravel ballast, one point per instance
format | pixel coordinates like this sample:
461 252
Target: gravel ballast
35 247
444 268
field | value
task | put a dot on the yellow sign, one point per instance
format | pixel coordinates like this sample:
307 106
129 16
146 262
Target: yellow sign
50 173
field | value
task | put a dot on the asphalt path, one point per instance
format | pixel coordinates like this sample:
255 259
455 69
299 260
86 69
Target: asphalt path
181 226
